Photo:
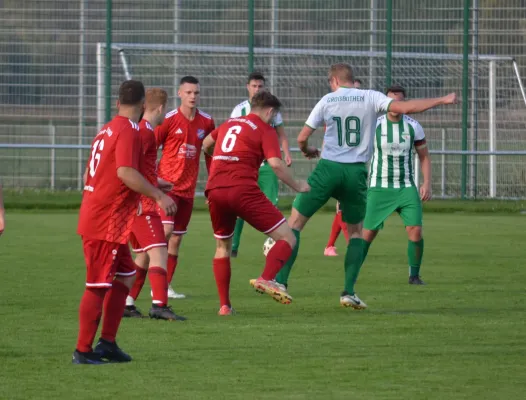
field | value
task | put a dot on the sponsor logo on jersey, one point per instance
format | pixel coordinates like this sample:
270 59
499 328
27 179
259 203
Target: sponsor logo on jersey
187 151
179 131
200 133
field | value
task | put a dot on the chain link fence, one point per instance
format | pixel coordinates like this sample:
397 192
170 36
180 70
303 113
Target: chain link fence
52 89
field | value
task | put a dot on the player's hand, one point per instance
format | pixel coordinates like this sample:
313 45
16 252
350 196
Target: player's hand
288 160
451 98
303 187
165 186
166 203
425 192
311 152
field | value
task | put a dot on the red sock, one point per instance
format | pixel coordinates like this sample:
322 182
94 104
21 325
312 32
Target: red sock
90 312
276 258
335 229
222 275
170 269
140 274
114 304
345 231
159 283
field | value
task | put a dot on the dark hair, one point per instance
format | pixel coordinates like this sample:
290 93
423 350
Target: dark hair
256 76
189 79
358 81
264 99
395 89
131 93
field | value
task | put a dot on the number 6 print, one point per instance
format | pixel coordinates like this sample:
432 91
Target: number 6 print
230 139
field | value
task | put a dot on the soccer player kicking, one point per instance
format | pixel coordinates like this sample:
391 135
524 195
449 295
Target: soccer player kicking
337 224
350 117
239 146
391 184
147 238
112 188
181 136
267 180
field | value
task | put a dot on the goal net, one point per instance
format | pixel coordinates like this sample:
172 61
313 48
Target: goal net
298 78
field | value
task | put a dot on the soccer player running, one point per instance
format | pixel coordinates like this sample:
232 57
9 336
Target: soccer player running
350 117
181 136
267 180
391 184
239 146
148 239
112 188
337 224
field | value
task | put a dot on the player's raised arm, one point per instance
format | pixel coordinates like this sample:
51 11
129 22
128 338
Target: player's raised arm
421 105
2 211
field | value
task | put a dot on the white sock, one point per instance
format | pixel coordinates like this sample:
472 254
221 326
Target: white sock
129 301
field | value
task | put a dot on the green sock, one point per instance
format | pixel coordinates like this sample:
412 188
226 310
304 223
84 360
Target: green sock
353 262
415 251
366 246
237 234
283 274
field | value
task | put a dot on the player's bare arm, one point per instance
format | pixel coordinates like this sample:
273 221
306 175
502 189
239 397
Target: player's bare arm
425 164
208 145
283 173
165 186
284 141
136 182
2 211
421 105
303 143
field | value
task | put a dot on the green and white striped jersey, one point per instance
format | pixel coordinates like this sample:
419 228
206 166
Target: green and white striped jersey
244 108
392 163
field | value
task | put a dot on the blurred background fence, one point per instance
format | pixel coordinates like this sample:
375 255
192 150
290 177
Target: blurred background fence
58 79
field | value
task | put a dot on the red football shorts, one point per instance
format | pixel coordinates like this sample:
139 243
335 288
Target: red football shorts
246 202
147 233
181 219
104 260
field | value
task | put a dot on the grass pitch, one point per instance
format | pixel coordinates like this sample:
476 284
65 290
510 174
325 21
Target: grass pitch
460 337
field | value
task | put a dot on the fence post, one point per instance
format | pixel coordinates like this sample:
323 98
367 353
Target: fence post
389 42
52 137
250 36
492 129
82 61
372 40
473 160
465 94
108 60
443 166
273 30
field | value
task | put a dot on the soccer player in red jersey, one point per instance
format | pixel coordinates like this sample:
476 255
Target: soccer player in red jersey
181 135
112 187
240 145
147 239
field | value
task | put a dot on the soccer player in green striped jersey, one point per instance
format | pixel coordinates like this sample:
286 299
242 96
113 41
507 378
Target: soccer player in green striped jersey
267 180
349 115
391 182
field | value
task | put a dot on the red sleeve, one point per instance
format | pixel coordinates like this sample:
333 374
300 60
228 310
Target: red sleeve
161 132
212 126
214 134
270 144
128 149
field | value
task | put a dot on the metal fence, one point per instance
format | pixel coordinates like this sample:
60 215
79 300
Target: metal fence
50 84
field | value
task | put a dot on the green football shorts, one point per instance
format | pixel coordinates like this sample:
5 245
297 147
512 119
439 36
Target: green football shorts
347 183
268 183
381 203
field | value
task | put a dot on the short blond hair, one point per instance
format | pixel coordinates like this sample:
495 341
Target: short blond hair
342 71
155 97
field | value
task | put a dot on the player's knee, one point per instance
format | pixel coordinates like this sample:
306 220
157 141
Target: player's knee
157 257
128 281
223 248
141 259
368 235
168 229
174 243
297 221
414 233
355 231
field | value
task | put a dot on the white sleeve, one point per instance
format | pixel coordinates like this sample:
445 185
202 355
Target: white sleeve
316 119
419 132
235 112
380 101
278 120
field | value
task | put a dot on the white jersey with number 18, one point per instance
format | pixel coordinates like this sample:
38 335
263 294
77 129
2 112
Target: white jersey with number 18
349 116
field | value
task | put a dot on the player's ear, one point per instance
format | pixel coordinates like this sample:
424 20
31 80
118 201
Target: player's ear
118 104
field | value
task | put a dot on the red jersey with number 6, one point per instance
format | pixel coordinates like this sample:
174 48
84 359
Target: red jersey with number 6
182 141
148 164
241 146
108 206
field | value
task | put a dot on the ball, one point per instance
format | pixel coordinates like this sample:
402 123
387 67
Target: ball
269 243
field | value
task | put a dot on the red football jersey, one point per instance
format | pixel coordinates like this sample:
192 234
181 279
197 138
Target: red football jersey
148 164
182 141
241 146
108 206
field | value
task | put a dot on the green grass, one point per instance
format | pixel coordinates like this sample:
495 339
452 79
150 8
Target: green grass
459 337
